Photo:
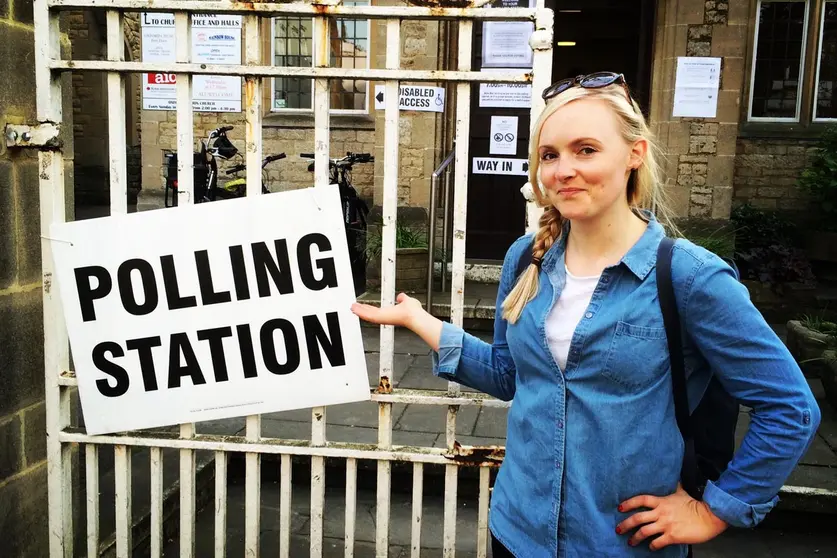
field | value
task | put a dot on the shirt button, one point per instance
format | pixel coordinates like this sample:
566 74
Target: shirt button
588 315
561 424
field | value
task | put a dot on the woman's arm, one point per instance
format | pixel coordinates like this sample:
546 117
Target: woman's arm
755 367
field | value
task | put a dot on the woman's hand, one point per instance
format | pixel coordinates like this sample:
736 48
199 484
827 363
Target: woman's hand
677 519
403 314
407 312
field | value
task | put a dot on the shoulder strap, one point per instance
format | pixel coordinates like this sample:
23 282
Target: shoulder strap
671 319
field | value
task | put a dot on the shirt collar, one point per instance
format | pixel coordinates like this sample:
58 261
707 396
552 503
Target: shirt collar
640 259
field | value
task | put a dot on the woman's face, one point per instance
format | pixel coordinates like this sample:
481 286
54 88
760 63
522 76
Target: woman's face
584 161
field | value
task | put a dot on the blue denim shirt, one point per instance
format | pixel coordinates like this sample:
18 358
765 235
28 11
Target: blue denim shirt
583 439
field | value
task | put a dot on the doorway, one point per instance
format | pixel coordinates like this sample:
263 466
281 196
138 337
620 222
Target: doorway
590 36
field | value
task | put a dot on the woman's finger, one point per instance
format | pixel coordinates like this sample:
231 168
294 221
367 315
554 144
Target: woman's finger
644 532
661 542
636 520
389 316
643 501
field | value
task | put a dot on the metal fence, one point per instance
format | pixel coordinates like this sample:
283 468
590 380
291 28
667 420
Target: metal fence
64 437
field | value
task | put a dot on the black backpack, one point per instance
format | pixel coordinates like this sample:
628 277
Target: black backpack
709 432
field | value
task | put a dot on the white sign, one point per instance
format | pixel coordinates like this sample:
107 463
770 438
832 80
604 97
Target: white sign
696 87
243 319
414 97
216 39
503 135
491 165
505 44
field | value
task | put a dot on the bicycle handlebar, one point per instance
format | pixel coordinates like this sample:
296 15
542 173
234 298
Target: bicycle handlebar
277 157
269 159
224 129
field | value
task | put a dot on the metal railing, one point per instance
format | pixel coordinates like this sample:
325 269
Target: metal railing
64 436
444 169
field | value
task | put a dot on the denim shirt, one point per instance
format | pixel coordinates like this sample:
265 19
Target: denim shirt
582 440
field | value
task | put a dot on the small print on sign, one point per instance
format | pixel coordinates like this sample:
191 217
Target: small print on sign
696 87
490 165
414 97
244 319
503 135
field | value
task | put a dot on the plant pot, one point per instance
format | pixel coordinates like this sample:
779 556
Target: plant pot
410 271
829 377
805 345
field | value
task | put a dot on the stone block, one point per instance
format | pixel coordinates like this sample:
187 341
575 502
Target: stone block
745 192
34 434
11 456
729 40
690 11
721 203
684 169
703 128
700 33
16 95
729 106
727 138
8 256
732 73
22 11
702 144
694 158
24 521
698 48
763 203
28 223
699 168
678 200
720 171
21 350
771 192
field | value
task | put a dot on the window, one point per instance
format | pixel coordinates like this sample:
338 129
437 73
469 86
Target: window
293 45
794 66
825 105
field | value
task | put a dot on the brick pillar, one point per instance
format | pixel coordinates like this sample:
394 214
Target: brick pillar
23 466
701 151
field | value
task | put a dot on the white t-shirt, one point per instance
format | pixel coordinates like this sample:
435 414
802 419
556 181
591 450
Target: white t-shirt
567 312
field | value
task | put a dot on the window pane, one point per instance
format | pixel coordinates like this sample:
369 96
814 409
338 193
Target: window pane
292 47
778 58
826 107
348 48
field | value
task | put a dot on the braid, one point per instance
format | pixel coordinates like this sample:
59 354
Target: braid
527 285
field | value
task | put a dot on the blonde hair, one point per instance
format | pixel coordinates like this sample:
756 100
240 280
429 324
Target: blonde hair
644 190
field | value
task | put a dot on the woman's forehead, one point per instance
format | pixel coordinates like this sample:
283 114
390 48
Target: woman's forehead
583 118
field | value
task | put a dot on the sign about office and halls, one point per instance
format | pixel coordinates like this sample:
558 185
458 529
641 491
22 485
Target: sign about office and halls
696 85
493 165
173 320
503 140
215 39
413 97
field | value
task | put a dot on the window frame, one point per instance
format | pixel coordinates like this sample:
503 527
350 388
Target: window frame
818 66
304 111
800 90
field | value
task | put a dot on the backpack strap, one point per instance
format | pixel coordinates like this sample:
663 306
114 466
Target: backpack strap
524 261
671 320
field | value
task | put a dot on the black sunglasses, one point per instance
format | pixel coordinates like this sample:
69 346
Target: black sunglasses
590 81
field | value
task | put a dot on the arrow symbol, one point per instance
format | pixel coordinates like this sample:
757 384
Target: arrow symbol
526 167
380 96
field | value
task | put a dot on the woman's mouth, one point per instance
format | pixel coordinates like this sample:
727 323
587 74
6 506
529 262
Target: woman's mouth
569 192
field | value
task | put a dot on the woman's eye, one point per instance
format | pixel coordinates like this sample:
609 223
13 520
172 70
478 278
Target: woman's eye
587 150
547 156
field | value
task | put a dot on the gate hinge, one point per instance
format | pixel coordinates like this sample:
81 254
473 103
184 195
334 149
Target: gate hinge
43 135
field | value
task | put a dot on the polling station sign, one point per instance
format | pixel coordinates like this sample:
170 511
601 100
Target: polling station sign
211 311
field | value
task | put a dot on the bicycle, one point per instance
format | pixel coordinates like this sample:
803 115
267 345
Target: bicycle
354 209
206 189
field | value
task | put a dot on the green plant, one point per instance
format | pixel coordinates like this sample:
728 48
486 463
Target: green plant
406 236
819 179
766 249
819 324
720 242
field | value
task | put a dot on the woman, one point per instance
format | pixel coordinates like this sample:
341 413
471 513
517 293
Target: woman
593 454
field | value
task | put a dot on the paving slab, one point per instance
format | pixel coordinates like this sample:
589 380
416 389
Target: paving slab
433 418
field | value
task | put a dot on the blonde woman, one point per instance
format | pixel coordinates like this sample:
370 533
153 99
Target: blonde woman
594 454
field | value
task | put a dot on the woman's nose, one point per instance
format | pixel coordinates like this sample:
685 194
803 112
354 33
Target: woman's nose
564 170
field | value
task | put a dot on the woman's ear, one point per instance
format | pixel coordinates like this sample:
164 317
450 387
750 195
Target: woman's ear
638 152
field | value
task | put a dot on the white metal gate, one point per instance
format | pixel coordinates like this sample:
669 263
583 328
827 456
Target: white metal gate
64 438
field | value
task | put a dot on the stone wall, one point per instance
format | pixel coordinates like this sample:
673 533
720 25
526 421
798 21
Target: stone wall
23 470
767 170
700 151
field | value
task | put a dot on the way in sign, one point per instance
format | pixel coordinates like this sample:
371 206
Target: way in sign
491 165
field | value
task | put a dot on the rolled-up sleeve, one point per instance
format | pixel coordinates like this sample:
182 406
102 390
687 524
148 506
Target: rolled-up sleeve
468 360
754 366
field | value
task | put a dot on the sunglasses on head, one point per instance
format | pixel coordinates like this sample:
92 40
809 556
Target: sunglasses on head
590 81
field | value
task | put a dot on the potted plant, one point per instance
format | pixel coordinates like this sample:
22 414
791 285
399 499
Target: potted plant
807 339
410 256
819 181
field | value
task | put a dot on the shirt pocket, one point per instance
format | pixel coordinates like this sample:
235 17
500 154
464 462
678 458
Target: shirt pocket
638 356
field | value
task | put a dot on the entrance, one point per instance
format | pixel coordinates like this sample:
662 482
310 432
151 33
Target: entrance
590 36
